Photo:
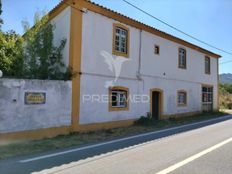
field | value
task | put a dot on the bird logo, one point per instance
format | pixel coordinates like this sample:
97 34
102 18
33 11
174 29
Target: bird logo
114 65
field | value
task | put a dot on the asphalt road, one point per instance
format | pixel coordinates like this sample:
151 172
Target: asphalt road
218 161
145 153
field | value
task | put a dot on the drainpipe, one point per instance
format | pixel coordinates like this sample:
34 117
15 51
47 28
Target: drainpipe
138 74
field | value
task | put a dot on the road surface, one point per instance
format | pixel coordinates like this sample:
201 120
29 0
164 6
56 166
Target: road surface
204 147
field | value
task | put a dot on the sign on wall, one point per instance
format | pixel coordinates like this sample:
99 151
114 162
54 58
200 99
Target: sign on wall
31 98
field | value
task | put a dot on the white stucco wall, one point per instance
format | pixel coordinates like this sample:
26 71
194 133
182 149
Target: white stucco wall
157 71
16 116
62 31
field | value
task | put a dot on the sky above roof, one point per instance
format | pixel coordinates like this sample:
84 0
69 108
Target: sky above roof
208 20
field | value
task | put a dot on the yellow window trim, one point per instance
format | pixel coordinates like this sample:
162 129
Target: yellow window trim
110 99
181 67
117 53
186 101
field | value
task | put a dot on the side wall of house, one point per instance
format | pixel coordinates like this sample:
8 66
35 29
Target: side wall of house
61 31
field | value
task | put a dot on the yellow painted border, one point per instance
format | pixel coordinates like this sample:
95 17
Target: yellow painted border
75 63
34 134
186 94
182 115
110 98
128 40
105 125
160 101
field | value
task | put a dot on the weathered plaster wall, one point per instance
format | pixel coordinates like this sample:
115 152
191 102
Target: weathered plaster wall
15 115
62 31
157 71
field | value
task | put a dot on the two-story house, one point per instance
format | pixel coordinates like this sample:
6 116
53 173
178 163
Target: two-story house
127 69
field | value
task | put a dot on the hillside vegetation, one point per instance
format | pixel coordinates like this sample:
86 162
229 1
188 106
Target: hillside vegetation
226 78
225 96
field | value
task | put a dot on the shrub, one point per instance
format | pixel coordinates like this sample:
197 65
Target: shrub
145 120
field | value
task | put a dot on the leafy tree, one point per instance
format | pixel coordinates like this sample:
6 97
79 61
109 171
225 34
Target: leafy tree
34 55
226 87
43 60
11 53
225 96
1 21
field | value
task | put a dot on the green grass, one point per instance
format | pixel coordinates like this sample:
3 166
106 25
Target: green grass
77 139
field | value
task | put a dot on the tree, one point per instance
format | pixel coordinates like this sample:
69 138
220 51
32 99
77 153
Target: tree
43 60
11 54
1 21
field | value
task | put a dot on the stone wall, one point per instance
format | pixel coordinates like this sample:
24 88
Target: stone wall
18 113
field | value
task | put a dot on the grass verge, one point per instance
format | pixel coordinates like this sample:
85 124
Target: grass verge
76 139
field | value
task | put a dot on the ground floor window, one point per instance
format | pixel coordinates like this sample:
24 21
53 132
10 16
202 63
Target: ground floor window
182 98
207 98
118 98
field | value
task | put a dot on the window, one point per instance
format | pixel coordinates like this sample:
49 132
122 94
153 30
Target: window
207 65
182 58
120 40
181 98
207 98
118 98
156 49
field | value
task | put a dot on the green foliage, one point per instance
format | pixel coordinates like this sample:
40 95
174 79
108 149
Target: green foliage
43 60
1 21
226 87
11 53
34 55
225 96
145 120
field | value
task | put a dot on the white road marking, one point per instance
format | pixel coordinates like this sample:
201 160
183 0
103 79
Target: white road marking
117 140
194 157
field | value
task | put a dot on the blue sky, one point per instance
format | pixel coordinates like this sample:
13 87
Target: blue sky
208 20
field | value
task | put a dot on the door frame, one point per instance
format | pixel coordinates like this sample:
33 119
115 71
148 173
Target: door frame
160 101
207 86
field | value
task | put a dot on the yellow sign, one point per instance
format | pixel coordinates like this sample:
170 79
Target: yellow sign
35 98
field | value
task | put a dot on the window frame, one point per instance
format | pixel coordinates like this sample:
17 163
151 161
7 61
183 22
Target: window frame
179 58
157 46
119 89
116 52
208 69
186 98
207 93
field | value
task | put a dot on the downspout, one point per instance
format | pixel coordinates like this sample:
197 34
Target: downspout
140 55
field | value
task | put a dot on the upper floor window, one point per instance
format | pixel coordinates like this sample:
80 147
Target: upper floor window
182 98
120 40
118 98
207 65
182 58
156 49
